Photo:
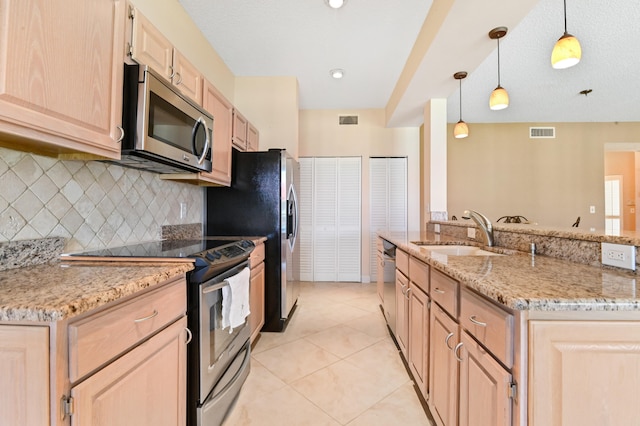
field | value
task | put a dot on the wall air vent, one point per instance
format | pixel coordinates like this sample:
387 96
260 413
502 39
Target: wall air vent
348 119
542 132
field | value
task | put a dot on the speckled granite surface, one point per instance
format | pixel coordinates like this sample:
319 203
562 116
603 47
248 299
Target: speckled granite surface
16 254
53 292
524 282
181 232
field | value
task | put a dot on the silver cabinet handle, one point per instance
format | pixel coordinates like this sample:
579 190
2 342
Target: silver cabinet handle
189 335
455 351
473 319
153 315
406 294
437 290
179 79
173 72
446 341
121 134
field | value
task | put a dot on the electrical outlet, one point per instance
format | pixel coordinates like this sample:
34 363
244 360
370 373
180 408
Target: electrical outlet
471 233
183 210
620 255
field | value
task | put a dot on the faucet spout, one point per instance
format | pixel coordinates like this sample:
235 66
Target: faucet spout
483 223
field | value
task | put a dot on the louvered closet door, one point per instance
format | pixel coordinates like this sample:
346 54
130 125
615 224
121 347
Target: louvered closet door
349 219
305 206
330 213
387 204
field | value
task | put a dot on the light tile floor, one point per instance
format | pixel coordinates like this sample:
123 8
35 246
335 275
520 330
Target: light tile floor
335 364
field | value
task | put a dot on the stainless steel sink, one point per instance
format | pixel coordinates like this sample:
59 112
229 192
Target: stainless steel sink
459 250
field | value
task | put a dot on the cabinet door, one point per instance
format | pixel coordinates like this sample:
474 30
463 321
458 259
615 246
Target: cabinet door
187 78
24 375
402 312
256 300
419 337
222 110
484 387
253 138
240 125
149 46
61 69
584 373
145 387
443 368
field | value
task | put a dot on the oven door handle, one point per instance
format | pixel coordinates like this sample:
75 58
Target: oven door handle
214 287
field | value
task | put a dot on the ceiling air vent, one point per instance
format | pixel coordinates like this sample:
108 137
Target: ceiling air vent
348 119
542 132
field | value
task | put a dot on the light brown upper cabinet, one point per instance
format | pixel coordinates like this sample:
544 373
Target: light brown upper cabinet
61 70
148 46
240 127
253 138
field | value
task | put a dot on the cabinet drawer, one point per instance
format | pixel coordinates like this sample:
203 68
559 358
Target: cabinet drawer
444 291
419 274
402 262
257 255
101 337
490 325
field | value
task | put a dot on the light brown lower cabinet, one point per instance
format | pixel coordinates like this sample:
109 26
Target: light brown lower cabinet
418 354
584 373
256 291
24 375
443 368
146 386
484 387
402 312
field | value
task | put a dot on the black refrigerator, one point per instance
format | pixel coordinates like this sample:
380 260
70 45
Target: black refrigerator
262 201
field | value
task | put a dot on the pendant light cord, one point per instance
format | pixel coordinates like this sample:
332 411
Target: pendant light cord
498 61
565 16
460 99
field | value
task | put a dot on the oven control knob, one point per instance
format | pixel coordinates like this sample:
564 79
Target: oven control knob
210 256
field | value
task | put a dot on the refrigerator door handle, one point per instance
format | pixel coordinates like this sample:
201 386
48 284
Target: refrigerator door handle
292 217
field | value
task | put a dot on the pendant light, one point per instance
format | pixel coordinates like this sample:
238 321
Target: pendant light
499 97
567 51
461 130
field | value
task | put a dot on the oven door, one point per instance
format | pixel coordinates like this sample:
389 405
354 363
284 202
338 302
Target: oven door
218 346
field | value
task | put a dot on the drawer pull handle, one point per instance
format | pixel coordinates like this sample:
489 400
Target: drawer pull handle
437 290
446 341
473 319
189 335
406 294
153 315
455 351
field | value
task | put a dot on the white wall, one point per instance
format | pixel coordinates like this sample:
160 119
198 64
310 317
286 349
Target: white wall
321 135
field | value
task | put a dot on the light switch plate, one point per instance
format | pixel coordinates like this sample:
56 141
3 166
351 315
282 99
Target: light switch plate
620 255
471 233
436 228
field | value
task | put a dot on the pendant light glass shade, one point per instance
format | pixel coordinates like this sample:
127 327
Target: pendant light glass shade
461 130
499 99
566 53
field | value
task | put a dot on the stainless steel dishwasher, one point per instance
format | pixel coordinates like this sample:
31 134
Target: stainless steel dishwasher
389 289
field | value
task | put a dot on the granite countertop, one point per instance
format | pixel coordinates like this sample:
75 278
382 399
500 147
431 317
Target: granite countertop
522 281
57 291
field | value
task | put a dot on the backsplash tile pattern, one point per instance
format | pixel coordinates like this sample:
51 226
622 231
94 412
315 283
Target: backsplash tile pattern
90 203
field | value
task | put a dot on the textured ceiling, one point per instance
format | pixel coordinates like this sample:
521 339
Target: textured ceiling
372 39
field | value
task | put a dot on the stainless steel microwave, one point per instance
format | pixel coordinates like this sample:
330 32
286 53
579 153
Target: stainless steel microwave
164 132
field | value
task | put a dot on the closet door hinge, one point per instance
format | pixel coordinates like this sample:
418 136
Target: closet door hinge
66 406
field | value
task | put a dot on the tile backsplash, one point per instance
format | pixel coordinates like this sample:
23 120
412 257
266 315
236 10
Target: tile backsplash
89 203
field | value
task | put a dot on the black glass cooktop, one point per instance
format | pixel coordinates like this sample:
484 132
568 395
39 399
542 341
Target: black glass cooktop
157 249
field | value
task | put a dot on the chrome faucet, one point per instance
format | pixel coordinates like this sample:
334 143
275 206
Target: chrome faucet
483 223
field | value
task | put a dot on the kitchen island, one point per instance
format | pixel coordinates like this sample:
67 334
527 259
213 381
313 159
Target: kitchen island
540 340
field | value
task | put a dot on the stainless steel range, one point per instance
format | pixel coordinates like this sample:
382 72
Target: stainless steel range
218 355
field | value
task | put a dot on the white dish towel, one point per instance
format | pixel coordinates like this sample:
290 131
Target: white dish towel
235 300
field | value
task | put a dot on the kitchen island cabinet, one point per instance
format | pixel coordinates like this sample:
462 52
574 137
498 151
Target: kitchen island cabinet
48 103
537 341
419 319
402 312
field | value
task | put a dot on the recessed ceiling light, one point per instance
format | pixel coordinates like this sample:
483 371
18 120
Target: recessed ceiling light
337 73
335 4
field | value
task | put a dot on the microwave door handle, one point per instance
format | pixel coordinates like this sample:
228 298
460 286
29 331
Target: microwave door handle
207 142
